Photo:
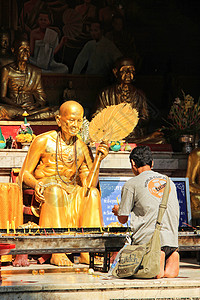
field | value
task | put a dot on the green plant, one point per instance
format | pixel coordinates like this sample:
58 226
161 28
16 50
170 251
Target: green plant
184 117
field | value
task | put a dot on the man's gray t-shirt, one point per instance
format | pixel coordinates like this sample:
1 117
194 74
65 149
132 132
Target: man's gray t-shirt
141 197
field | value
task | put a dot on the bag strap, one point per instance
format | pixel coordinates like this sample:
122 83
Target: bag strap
163 204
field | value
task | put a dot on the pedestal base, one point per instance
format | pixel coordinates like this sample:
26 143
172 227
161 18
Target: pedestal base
5 249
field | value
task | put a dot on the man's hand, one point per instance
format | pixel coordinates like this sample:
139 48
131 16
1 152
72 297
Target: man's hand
115 210
122 219
103 148
39 190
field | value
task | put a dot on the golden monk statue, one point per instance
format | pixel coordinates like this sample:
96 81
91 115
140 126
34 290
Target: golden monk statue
60 169
6 55
125 91
193 173
21 88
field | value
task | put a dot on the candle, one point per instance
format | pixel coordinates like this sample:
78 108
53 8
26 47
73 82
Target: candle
13 226
8 226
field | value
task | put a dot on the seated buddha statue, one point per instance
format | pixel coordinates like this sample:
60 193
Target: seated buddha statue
21 88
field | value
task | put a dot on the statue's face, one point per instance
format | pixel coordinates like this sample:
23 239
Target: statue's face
23 51
95 31
71 120
126 74
43 21
4 41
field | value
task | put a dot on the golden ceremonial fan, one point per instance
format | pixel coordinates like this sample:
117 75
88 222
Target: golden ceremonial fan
113 123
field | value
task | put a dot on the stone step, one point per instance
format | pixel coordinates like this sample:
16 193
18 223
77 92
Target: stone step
67 283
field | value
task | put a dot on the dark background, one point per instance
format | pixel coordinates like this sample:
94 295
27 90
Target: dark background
167 39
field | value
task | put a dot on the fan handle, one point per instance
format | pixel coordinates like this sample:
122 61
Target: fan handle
93 173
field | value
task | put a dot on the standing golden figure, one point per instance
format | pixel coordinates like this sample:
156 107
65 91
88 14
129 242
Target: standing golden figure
60 168
21 88
193 173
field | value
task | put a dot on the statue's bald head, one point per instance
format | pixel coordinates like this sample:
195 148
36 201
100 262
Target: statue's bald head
123 61
21 49
70 118
4 39
18 42
69 107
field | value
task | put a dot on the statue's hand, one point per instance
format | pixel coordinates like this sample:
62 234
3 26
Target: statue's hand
103 148
115 210
39 190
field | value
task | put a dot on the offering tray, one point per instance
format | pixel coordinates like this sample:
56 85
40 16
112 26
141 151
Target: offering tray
39 241
56 240
96 241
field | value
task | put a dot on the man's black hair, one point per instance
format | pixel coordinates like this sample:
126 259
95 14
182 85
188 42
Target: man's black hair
142 156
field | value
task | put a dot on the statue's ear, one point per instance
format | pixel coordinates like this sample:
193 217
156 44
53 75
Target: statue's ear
115 71
58 120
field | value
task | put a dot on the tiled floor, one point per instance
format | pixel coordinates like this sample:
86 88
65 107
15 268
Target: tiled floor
75 283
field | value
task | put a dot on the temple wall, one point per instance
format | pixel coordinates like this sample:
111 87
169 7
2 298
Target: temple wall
87 88
115 164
